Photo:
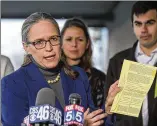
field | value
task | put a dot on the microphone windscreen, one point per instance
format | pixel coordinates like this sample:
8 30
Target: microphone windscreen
45 96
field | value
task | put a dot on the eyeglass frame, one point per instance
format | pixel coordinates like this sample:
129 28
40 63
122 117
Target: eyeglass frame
45 41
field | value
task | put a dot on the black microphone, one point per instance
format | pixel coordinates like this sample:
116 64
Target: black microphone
75 98
74 113
44 112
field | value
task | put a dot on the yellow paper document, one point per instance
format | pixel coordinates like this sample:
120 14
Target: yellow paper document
135 81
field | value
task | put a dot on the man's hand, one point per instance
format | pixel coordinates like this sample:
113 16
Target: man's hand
113 90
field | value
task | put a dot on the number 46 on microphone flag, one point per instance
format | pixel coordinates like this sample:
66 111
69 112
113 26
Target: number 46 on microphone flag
45 113
74 114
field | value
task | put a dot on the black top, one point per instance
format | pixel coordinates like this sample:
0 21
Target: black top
97 81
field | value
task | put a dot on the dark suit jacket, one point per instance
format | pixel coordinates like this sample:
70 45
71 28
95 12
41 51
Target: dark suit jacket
19 91
113 74
153 118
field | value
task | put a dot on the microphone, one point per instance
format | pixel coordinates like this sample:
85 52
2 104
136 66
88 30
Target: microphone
74 113
44 112
75 98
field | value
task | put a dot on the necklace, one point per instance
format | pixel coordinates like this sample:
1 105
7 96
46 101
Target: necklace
55 80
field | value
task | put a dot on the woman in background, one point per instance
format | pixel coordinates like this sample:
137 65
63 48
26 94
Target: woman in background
77 51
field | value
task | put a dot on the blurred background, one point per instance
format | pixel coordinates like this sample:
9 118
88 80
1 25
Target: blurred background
108 21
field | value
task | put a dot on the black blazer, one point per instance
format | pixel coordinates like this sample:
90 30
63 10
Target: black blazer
153 118
113 74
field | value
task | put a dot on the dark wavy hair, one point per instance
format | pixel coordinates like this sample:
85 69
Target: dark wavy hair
35 18
141 7
77 22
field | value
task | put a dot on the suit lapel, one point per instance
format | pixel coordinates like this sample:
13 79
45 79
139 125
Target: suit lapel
68 86
132 52
156 64
36 77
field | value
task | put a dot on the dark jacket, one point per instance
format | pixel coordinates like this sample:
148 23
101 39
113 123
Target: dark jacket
153 118
19 91
97 81
113 74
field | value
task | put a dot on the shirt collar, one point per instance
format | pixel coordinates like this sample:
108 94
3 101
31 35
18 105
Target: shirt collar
139 52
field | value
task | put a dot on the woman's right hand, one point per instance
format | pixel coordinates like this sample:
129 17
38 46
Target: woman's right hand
95 118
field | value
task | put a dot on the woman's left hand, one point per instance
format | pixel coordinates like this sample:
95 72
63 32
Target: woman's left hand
95 118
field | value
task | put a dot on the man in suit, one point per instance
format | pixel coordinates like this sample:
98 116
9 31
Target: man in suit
144 22
6 66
